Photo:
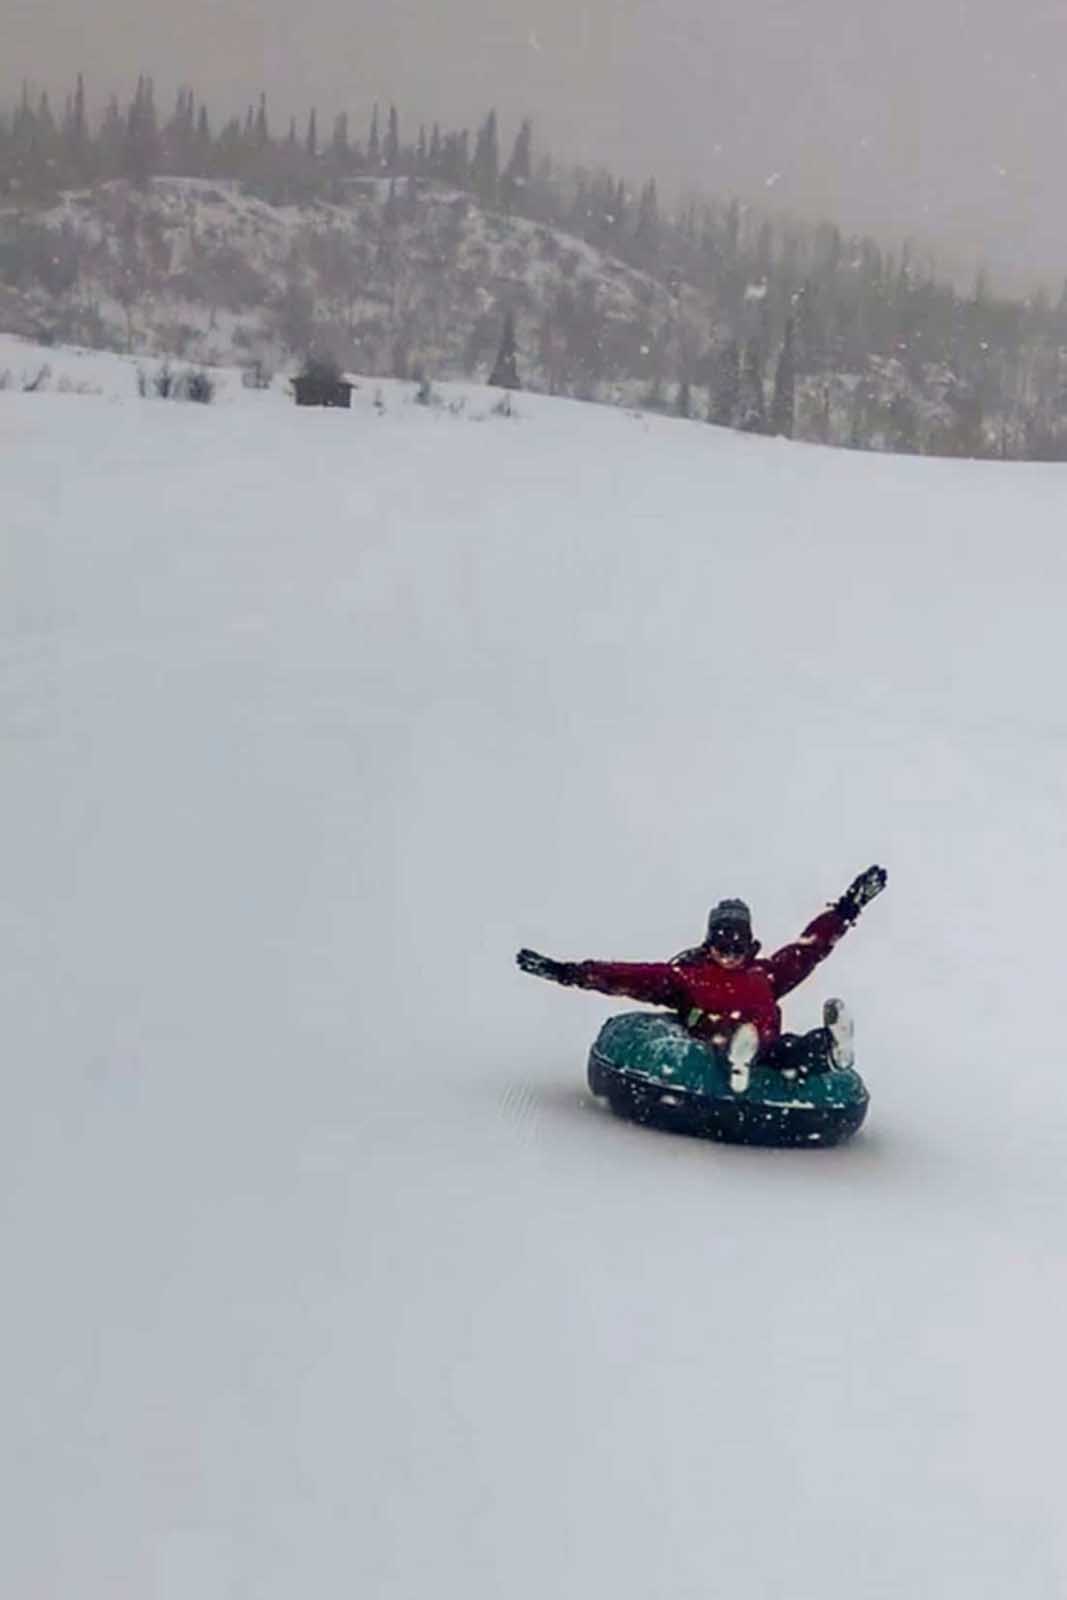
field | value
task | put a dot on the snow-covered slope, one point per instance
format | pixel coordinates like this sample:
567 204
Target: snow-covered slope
200 270
322 1272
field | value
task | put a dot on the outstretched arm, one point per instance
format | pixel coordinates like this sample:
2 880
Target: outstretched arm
653 981
793 962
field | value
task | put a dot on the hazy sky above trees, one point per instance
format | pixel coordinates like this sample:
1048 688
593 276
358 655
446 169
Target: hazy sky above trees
942 118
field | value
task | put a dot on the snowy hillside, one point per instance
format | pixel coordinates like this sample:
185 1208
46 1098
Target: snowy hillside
323 1273
391 280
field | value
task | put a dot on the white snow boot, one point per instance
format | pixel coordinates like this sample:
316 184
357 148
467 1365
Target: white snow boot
740 1053
837 1021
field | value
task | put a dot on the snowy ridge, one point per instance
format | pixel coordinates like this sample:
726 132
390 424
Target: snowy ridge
323 1273
201 270
411 280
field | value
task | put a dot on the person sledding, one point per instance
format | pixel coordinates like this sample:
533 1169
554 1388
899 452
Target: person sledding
727 995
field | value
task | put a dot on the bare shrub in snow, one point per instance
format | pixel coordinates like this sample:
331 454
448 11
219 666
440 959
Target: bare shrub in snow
257 375
196 386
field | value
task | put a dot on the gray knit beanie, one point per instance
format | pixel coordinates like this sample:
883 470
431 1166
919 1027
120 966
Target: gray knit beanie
731 914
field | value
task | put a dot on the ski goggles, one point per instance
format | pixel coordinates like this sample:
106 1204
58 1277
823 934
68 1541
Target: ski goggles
730 941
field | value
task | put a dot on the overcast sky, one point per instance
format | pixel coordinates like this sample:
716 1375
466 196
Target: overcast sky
943 118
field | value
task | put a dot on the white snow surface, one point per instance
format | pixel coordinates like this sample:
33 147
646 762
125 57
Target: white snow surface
323 1273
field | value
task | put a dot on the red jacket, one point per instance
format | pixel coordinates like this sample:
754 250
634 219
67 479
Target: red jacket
711 1000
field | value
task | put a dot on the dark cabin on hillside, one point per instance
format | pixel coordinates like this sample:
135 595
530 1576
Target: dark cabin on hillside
322 389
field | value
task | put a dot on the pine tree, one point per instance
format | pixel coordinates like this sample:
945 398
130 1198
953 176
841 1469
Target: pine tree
311 144
203 143
339 149
80 124
783 404
753 402
517 174
725 403
903 425
731 235
455 159
764 252
25 149
141 153
580 210
374 143
45 151
79 152
175 156
620 208
810 339
391 153
485 171
858 437
505 373
227 157
46 123
647 229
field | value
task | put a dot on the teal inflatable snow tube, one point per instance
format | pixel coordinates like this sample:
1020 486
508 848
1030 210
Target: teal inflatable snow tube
652 1070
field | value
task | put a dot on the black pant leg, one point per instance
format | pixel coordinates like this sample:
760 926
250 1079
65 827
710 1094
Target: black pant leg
799 1052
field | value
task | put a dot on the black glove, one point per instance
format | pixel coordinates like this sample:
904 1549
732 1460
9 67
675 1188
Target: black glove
860 891
538 966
